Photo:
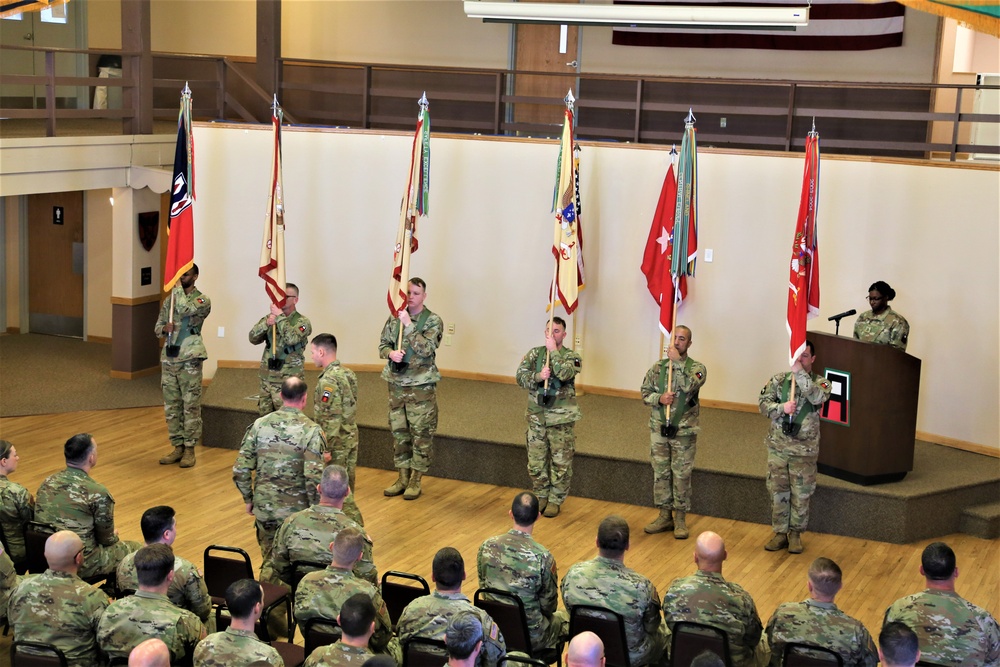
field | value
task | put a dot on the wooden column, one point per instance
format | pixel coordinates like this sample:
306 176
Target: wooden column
136 38
268 43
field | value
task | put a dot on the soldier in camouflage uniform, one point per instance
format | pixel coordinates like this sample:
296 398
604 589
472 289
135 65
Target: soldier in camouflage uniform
606 582
57 607
516 563
180 365
321 594
17 506
882 325
413 411
305 536
706 597
8 580
285 448
952 630
818 621
287 356
357 624
673 432
187 589
428 616
129 621
792 447
72 500
898 646
238 644
464 640
336 403
550 436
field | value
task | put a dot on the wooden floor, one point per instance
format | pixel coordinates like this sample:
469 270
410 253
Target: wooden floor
462 515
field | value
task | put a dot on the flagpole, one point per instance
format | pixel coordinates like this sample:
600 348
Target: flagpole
275 110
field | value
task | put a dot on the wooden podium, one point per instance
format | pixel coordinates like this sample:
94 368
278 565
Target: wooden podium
868 427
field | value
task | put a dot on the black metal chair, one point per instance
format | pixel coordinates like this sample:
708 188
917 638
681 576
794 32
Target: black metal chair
46 655
421 652
397 595
221 571
21 567
798 654
318 632
606 624
924 663
35 535
690 639
507 611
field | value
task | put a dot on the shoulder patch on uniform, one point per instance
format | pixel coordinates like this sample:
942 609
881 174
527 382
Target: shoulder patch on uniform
326 396
763 390
494 631
576 362
699 375
200 300
905 336
302 328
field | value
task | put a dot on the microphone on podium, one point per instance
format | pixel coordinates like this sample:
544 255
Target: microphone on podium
846 313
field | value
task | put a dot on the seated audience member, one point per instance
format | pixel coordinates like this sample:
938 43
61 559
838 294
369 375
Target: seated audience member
17 507
306 535
150 653
898 646
238 644
606 582
708 659
516 563
72 500
8 580
428 616
951 630
130 620
187 590
585 650
706 597
357 623
322 594
818 621
57 607
463 639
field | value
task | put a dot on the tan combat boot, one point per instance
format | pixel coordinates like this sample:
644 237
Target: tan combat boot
777 543
551 510
680 528
413 488
399 485
795 542
662 523
187 460
172 457
542 504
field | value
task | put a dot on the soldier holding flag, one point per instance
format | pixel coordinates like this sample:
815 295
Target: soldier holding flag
284 358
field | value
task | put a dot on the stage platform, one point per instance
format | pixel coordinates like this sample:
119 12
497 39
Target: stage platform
481 439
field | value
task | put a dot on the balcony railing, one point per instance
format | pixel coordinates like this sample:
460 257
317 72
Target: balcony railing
904 120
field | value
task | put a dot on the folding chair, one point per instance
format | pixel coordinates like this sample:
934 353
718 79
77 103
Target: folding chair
397 595
221 571
46 655
606 624
690 639
507 610
292 655
809 655
301 568
35 535
20 568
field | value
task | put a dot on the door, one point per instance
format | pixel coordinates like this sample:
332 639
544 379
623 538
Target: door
537 49
55 264
62 26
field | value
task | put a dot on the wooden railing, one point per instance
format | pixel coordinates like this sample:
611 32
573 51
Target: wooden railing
905 120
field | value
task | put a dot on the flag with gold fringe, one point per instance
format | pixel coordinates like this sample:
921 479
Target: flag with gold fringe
567 244
272 250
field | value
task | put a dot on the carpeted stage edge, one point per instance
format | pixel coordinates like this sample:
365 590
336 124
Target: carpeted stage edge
481 439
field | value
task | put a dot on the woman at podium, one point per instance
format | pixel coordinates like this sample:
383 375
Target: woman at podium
882 325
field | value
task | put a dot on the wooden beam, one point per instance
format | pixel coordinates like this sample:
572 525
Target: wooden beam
268 44
136 37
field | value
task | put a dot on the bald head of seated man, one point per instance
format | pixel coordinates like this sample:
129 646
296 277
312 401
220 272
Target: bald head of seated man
150 653
585 650
64 551
709 552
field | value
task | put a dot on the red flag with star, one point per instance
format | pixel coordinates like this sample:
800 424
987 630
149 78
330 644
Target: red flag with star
803 271
656 263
